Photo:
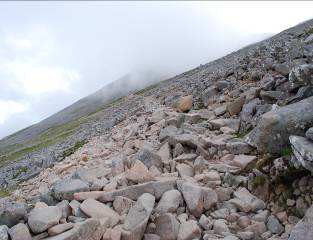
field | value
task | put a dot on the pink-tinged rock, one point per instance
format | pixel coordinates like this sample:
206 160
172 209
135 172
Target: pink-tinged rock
139 173
60 228
94 209
244 161
19 232
81 196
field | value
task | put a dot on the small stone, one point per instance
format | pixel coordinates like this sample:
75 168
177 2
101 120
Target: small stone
184 170
244 161
185 103
309 133
220 227
274 225
290 202
244 221
235 107
205 222
167 226
139 173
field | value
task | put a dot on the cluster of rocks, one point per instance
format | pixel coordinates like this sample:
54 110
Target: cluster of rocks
231 160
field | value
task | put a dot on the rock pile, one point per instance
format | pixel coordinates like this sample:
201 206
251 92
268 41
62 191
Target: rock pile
236 168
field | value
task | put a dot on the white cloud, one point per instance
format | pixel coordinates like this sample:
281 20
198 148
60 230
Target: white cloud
9 108
18 43
34 78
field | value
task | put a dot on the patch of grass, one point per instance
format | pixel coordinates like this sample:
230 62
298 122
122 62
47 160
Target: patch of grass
258 181
73 149
4 192
286 152
242 134
19 172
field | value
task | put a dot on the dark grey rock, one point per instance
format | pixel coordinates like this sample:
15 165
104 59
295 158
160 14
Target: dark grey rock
274 225
65 188
149 158
273 131
11 213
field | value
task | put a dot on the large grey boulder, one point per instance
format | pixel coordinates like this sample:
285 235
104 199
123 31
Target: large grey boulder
137 217
303 151
273 130
82 230
303 229
301 75
11 213
65 189
40 219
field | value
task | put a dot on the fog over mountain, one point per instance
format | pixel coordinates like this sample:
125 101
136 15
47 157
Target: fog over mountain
54 53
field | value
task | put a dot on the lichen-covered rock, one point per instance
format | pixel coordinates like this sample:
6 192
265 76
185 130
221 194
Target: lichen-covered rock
65 189
303 151
11 213
301 75
273 131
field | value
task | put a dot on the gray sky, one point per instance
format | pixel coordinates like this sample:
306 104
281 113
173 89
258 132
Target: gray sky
54 53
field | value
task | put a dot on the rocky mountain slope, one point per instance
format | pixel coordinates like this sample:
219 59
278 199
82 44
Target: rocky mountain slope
223 151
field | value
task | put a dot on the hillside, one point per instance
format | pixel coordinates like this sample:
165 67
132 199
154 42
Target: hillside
221 152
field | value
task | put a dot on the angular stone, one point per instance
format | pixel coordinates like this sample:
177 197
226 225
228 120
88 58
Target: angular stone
309 133
165 153
301 75
167 226
189 230
97 210
139 173
81 196
60 228
150 236
11 213
246 202
184 170
122 204
304 228
303 151
39 220
65 208
169 202
82 230
149 158
244 161
235 107
197 198
65 189
273 130
19 232
156 188
220 227
274 225
137 218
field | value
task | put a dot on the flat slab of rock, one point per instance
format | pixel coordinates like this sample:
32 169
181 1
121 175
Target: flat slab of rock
137 218
60 228
65 189
303 151
40 219
274 128
82 230
97 210
156 188
244 161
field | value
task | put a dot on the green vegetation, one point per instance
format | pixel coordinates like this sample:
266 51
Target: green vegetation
4 192
286 152
242 134
73 149
258 181
19 172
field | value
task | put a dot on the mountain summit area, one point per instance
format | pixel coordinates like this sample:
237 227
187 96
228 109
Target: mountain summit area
223 151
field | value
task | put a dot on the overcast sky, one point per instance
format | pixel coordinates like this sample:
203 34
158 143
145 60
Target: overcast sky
54 53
